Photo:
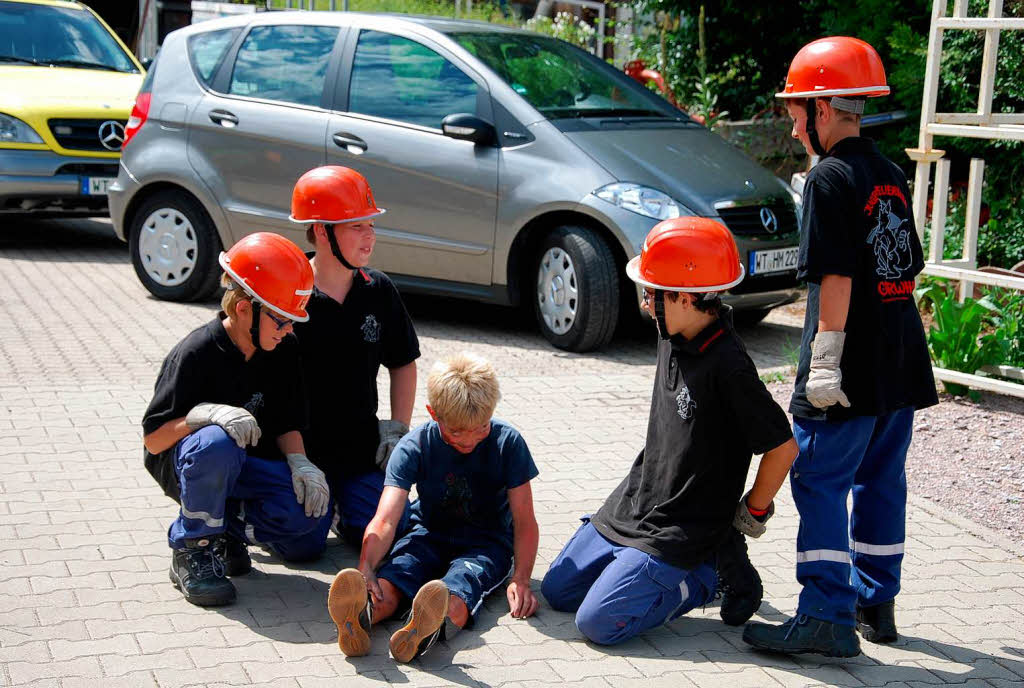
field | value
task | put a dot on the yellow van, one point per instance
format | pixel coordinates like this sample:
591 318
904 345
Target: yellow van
67 86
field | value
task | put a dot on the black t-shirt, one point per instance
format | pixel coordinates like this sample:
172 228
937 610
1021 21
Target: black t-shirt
710 413
207 367
858 223
343 346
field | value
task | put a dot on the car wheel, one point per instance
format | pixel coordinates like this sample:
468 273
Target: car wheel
577 289
749 317
174 247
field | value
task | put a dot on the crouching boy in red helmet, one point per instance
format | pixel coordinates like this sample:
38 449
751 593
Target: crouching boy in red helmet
358 323
222 433
666 540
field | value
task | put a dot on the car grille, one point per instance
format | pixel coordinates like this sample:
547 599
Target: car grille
82 134
746 220
89 170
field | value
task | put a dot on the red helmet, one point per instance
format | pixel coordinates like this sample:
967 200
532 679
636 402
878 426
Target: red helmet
835 66
274 271
331 195
692 254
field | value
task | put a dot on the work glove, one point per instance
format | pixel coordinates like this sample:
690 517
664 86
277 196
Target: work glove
238 423
390 432
824 384
749 524
310 485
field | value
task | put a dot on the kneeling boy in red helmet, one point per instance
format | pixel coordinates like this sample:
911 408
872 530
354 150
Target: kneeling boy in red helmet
222 433
670 536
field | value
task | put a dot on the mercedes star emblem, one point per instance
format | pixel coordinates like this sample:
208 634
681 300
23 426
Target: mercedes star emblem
112 135
768 219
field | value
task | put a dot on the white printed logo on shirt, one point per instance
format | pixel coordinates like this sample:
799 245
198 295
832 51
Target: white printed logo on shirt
371 329
685 405
890 239
255 404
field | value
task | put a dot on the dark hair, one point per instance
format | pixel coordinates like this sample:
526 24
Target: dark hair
708 302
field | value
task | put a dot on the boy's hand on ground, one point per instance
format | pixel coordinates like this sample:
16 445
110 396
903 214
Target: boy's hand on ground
239 424
310 485
372 584
521 600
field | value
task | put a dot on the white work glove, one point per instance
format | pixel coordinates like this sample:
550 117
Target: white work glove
390 432
238 423
749 524
310 485
824 383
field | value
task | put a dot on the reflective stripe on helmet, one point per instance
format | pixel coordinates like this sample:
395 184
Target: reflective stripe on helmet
633 272
226 266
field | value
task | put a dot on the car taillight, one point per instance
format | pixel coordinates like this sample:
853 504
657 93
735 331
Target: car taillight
140 112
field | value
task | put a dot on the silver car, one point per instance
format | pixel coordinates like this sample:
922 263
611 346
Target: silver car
516 168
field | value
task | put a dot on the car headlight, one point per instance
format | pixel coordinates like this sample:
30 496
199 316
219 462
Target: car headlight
642 200
13 130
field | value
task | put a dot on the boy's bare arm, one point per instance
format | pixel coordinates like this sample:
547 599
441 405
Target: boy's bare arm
403 392
771 474
525 538
166 436
380 534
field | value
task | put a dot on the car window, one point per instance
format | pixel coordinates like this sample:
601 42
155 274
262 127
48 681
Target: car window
59 37
286 63
561 80
396 78
206 50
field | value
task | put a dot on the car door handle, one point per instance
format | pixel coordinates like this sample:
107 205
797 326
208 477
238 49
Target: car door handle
353 143
223 118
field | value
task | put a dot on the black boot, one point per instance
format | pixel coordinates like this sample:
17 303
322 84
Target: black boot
803 634
738 580
235 555
198 572
877 624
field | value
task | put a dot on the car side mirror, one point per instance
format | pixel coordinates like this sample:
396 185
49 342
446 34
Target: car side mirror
466 127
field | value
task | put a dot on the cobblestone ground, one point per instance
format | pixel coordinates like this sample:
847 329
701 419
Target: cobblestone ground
84 595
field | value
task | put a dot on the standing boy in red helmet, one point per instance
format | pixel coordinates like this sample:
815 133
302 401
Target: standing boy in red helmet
669 537
358 323
864 364
223 431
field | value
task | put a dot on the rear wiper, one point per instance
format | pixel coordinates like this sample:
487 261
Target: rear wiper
23 60
83 64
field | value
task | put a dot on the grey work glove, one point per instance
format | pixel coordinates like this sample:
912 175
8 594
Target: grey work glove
310 485
238 423
824 383
390 432
749 524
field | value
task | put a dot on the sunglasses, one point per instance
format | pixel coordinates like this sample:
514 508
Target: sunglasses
280 322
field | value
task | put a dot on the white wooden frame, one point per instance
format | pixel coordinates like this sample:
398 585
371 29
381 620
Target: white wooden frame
983 124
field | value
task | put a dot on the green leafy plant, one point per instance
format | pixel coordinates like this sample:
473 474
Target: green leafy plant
955 339
1008 323
565 26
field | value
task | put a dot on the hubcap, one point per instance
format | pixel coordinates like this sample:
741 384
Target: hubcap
168 247
557 290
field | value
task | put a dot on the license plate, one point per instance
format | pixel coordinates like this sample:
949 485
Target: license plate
775 260
96 186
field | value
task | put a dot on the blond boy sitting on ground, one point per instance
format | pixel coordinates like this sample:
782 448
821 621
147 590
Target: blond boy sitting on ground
473 518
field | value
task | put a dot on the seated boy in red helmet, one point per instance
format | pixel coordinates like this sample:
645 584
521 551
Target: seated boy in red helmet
223 430
473 518
671 535
357 323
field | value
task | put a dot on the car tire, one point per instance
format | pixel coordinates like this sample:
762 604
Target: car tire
748 317
174 247
575 289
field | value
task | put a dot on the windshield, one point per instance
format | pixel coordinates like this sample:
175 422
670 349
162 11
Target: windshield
57 36
560 80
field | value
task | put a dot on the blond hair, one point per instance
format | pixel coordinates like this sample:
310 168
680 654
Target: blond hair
232 295
463 390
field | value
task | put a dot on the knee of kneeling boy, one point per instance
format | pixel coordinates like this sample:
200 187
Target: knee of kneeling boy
598 627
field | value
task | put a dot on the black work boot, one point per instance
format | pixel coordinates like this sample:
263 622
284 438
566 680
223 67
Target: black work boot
877 624
351 609
235 555
198 572
738 580
803 634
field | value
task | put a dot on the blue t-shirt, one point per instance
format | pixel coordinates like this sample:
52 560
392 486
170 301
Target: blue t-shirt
462 493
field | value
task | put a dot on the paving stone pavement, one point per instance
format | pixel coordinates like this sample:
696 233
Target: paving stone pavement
84 595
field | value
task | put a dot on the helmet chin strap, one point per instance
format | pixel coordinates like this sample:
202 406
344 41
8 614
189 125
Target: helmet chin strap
659 313
812 131
254 329
335 249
